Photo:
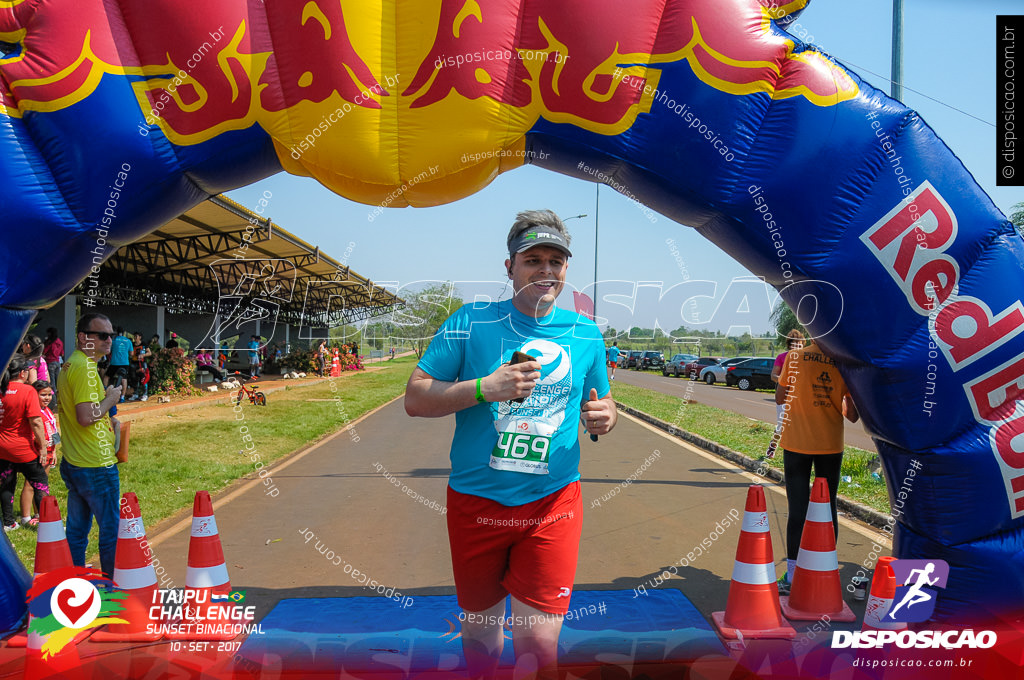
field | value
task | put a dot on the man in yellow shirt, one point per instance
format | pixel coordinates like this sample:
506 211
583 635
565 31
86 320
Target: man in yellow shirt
814 399
89 464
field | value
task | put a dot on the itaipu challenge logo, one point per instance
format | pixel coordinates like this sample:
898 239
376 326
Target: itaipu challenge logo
67 601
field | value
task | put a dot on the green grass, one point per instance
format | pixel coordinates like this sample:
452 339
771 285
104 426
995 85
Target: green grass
749 437
173 455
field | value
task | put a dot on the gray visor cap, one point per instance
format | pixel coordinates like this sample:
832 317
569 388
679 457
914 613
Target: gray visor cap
538 236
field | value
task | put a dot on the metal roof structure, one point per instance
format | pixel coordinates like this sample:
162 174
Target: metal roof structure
219 251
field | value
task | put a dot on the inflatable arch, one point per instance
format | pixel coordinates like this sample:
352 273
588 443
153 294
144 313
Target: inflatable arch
118 116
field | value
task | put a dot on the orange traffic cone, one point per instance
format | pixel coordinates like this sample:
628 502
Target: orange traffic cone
816 590
753 605
52 551
65 664
207 575
883 592
335 365
134 574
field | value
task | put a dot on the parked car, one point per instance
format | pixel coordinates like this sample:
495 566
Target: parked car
693 368
751 374
650 359
676 363
716 373
629 358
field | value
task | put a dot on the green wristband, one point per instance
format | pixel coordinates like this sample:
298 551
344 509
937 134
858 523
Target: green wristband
479 392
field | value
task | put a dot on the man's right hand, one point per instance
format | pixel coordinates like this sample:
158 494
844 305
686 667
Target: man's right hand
515 381
114 390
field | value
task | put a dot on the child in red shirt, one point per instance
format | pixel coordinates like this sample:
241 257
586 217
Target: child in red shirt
22 441
45 392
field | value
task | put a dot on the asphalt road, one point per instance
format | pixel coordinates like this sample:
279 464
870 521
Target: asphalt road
759 405
335 497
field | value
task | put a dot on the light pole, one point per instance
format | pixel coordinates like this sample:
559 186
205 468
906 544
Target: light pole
597 215
576 217
897 50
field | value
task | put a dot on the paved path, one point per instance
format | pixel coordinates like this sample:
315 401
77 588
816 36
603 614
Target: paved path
754 404
335 491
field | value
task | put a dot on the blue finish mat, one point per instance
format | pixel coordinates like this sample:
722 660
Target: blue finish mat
376 634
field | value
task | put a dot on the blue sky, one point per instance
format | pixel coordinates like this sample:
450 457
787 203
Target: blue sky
949 56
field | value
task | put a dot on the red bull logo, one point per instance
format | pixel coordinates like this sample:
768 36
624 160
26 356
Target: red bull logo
315 72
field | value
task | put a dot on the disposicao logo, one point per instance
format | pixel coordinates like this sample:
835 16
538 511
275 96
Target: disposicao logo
919 639
915 602
67 601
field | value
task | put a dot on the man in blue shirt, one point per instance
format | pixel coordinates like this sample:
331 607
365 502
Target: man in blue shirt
254 356
613 358
514 511
120 358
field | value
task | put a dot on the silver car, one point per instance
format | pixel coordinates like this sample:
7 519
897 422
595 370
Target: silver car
711 374
676 363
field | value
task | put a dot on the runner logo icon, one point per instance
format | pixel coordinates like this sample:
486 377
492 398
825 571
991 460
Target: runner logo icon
915 597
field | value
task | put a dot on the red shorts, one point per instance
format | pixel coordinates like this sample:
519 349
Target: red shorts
611 364
529 551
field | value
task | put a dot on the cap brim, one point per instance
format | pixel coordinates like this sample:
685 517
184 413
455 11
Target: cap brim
556 246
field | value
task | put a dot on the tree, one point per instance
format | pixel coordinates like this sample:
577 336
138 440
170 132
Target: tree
1017 217
344 333
744 344
784 319
424 312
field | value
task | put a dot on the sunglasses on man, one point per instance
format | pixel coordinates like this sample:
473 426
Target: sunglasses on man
100 334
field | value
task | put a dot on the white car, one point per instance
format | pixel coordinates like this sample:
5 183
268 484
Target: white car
711 374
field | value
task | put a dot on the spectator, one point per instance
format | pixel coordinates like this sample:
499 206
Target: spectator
321 359
53 354
45 393
254 356
204 362
794 340
816 399
172 342
32 350
613 359
89 461
154 344
140 358
223 357
120 361
22 442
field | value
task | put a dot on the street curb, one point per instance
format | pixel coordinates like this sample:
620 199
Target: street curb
850 507
208 398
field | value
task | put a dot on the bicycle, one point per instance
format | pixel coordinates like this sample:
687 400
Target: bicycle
255 397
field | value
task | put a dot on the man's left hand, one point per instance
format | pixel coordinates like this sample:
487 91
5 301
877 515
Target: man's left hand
598 415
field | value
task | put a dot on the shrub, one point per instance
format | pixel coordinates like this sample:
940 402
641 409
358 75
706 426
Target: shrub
299 360
173 373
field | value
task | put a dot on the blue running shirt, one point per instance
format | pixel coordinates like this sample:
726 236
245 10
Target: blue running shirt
120 350
518 453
